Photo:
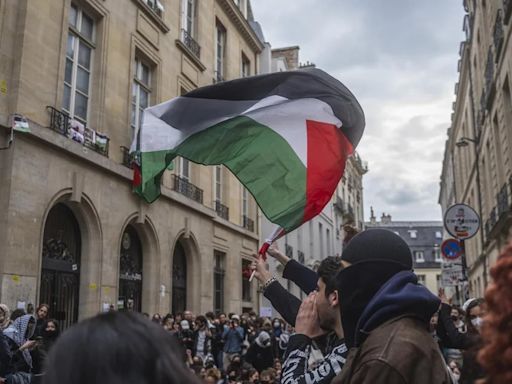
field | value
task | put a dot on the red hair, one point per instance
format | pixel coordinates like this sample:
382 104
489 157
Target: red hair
496 354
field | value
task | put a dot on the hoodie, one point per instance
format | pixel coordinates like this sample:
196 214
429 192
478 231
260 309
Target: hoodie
400 295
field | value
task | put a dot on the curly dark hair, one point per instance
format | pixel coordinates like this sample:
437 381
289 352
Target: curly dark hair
327 271
496 356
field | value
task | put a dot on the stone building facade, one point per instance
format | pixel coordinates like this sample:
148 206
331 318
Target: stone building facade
424 238
72 233
477 165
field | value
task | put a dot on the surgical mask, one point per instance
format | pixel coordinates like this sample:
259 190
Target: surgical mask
276 324
477 322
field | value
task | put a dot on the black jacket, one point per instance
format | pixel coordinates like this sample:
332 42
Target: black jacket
260 358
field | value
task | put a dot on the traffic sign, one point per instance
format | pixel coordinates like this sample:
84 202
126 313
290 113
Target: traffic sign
461 221
451 249
451 274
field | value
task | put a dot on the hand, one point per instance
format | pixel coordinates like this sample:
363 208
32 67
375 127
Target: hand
29 344
442 296
260 267
307 322
273 251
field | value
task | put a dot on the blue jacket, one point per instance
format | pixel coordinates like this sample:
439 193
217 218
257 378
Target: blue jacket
233 339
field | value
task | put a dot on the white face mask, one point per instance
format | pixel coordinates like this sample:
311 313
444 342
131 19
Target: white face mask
477 322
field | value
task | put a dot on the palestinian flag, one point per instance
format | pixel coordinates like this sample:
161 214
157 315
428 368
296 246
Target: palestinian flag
284 135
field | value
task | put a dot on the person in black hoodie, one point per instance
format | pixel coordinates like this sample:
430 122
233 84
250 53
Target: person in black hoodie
260 354
385 314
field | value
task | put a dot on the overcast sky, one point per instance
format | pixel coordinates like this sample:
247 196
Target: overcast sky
399 57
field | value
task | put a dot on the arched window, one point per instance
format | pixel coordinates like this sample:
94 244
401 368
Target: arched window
130 271
60 274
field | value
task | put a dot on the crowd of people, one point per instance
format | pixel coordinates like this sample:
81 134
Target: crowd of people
365 320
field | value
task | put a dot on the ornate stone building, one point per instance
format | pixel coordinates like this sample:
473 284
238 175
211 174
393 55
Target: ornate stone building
72 233
477 165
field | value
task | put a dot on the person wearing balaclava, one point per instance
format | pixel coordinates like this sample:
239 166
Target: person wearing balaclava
385 314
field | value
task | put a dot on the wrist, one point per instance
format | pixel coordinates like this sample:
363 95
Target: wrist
268 281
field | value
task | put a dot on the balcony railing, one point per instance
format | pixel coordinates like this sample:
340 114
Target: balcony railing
127 157
186 188
221 210
190 43
248 223
73 129
498 34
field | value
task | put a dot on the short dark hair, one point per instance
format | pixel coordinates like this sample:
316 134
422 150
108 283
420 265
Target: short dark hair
116 347
327 271
18 312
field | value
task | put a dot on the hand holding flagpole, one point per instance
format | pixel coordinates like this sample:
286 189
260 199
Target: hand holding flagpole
277 233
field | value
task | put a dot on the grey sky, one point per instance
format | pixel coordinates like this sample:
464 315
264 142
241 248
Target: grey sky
399 57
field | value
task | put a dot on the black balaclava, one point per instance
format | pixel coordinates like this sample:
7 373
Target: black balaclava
375 256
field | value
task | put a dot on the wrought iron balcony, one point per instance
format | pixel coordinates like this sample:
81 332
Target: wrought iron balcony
221 210
190 43
73 129
188 189
127 157
498 34
248 223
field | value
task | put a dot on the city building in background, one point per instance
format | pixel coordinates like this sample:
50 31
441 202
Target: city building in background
477 165
424 238
75 77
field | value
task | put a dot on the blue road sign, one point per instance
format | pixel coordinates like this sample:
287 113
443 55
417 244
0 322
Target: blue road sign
451 249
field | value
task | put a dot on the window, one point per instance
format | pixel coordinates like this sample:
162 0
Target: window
328 241
184 168
190 14
141 92
321 239
77 73
246 284
245 202
439 235
218 281
245 67
218 183
419 256
437 254
220 51
422 279
413 233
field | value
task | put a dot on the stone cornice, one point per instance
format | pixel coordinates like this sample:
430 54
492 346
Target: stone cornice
241 24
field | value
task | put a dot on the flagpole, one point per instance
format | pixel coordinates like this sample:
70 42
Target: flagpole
276 233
